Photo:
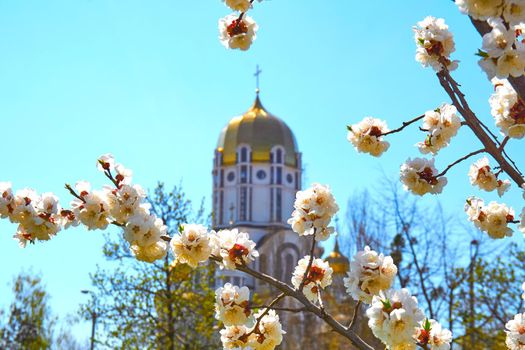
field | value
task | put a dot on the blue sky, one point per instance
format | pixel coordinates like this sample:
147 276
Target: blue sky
149 82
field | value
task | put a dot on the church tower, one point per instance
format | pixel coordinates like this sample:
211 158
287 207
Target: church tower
256 174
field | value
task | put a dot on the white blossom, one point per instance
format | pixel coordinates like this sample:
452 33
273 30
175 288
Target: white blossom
235 34
435 44
313 212
419 176
503 52
22 237
481 9
125 201
369 274
430 332
269 333
366 136
92 208
515 330
7 200
393 317
234 337
499 39
123 176
39 216
514 11
68 219
319 276
510 63
191 245
442 124
508 109
238 5
232 305
234 247
488 65
144 229
25 202
481 175
492 218
106 162
149 253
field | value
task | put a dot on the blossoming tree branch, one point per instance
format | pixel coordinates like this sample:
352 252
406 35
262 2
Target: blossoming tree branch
393 315
40 217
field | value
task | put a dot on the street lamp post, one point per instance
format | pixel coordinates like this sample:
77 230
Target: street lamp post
93 319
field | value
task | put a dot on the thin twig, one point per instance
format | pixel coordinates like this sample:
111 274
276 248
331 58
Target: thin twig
354 315
243 13
512 162
504 143
278 308
73 193
110 176
319 297
404 125
116 223
471 154
305 276
502 150
259 319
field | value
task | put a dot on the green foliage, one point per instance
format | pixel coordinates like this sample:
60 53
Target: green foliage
161 305
28 324
488 297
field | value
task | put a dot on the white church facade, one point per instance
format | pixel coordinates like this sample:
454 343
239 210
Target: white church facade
256 174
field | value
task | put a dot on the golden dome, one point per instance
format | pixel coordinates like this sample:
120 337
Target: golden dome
261 131
338 262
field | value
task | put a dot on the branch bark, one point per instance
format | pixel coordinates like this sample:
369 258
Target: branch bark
354 315
404 125
310 261
491 147
471 154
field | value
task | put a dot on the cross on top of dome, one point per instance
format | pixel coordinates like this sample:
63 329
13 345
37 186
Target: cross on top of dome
256 75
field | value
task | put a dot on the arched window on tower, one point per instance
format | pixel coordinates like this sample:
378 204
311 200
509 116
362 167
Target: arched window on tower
244 155
243 207
244 174
244 170
277 155
289 266
278 206
287 258
276 180
263 263
221 207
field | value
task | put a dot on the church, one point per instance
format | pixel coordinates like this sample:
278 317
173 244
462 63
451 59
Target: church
257 170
